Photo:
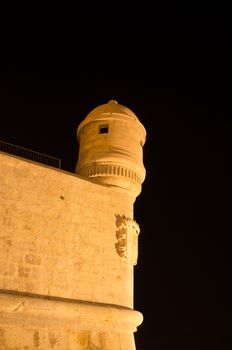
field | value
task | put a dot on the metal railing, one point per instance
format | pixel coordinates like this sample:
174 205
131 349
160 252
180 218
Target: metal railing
29 154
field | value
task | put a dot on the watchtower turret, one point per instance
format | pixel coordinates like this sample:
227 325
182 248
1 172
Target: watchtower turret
111 140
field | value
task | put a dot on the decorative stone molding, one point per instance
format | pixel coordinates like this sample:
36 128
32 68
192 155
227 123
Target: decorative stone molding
110 170
127 236
35 310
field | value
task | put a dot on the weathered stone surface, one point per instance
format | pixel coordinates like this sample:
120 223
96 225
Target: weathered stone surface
46 324
68 243
61 247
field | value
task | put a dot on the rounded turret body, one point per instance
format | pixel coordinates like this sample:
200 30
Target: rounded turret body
111 140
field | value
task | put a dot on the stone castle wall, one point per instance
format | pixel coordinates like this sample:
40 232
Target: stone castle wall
58 235
63 284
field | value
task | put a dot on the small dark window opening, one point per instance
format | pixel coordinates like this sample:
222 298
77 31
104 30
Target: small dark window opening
103 129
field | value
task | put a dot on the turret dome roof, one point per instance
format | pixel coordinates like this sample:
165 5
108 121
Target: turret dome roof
111 107
107 111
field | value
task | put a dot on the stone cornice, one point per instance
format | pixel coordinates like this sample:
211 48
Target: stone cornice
22 309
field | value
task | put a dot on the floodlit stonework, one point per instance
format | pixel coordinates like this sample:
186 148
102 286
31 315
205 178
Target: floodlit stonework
69 242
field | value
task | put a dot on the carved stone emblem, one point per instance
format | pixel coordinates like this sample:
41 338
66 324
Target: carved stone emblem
127 238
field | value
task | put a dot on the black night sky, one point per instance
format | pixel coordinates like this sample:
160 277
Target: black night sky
173 70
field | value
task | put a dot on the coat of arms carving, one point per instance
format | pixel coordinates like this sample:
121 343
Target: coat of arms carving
127 238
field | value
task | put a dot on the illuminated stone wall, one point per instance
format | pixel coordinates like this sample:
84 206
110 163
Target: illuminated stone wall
60 269
69 242
58 235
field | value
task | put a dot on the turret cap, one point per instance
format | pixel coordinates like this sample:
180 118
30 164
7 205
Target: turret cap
109 110
111 107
